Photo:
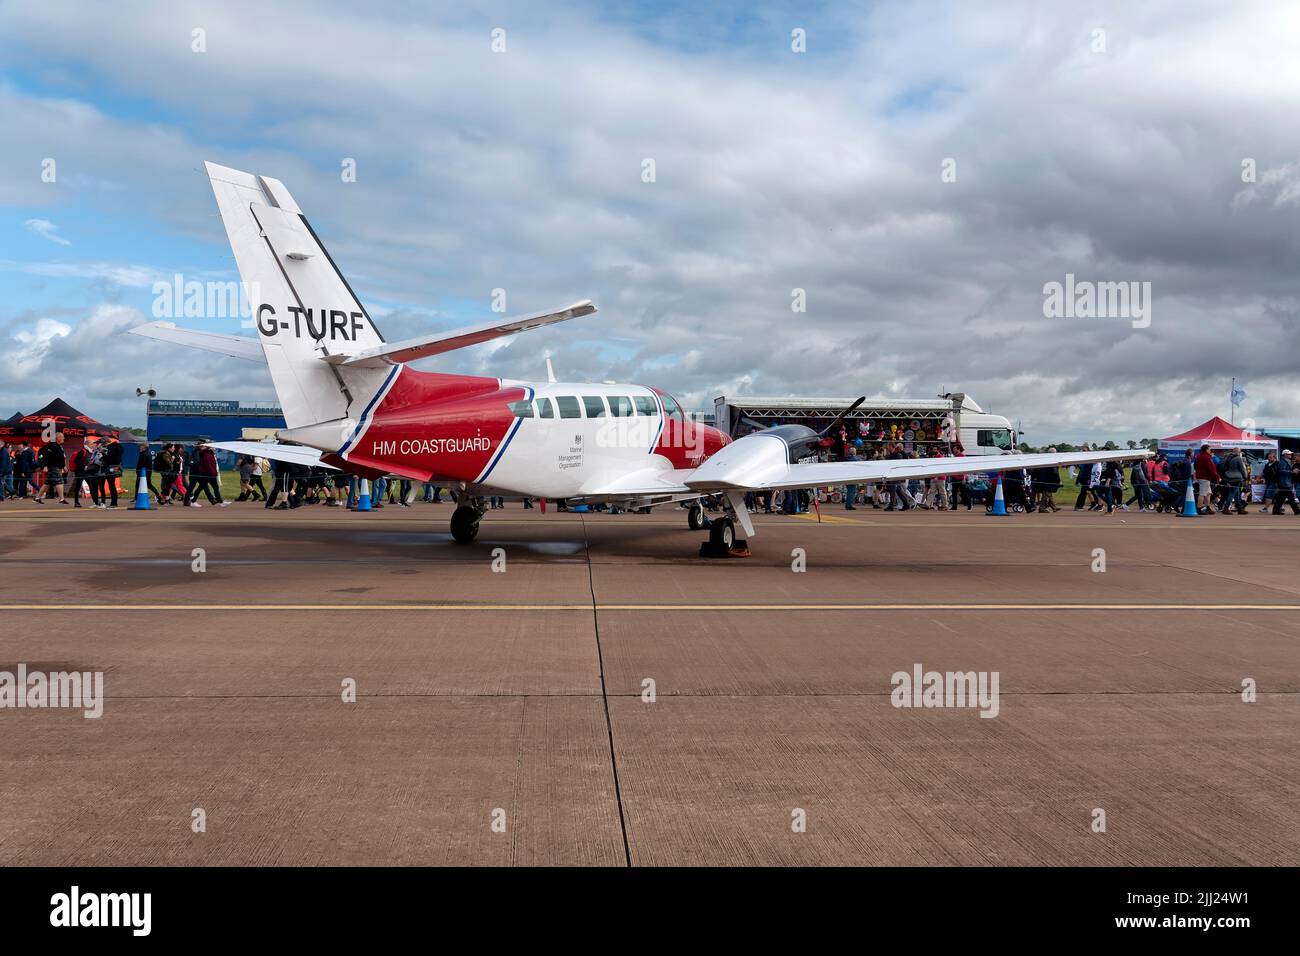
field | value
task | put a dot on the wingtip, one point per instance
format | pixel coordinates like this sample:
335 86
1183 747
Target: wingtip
141 329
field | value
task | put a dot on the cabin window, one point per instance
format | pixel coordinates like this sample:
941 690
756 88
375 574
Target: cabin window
620 406
569 407
645 405
521 409
595 406
545 409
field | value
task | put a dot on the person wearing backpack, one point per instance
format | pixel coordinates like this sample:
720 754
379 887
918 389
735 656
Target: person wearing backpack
1235 473
1138 478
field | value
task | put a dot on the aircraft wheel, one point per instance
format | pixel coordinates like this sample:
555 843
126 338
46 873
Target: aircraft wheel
464 525
722 533
695 518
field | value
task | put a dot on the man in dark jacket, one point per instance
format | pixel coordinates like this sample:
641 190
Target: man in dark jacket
24 468
110 470
1286 479
55 462
1270 480
203 477
1045 483
279 484
1137 476
165 464
6 472
1182 471
144 468
1235 474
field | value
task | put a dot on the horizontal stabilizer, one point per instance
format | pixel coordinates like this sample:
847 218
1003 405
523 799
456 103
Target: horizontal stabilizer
236 346
276 451
408 350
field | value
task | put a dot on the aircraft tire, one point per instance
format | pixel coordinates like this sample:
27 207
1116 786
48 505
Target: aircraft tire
722 533
464 525
695 518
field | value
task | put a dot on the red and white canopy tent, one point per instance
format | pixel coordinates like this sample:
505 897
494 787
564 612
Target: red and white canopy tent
1219 434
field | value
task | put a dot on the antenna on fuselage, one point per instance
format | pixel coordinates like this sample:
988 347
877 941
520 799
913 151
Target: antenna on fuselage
550 371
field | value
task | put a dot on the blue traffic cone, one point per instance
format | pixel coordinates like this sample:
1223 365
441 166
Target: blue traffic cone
999 503
1189 502
141 494
363 499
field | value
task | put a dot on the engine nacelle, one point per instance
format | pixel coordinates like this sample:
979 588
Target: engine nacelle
756 458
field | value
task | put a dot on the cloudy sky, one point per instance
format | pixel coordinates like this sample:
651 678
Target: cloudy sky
921 171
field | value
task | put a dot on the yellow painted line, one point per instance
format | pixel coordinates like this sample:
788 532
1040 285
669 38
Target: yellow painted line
827 519
650 607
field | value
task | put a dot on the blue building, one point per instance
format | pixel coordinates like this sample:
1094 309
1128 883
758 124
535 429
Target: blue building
185 420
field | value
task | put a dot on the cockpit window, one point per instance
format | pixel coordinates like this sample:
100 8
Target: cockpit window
670 405
645 405
620 406
545 409
521 409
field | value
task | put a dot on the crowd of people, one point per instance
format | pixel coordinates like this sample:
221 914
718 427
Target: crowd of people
95 464
176 474
1223 482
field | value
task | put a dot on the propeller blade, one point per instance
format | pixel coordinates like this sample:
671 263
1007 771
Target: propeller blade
836 424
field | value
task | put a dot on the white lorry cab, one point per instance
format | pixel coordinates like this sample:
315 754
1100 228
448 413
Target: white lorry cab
919 425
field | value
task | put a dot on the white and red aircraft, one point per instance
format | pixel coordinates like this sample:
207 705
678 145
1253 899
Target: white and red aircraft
350 398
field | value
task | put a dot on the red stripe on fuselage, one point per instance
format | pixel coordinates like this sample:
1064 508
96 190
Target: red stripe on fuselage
429 424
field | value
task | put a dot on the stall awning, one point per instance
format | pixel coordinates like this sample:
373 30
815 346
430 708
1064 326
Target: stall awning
1218 434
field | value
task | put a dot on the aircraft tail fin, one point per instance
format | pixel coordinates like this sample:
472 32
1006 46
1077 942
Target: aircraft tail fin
304 310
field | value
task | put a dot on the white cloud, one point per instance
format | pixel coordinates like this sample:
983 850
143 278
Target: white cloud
46 230
819 171
136 277
31 346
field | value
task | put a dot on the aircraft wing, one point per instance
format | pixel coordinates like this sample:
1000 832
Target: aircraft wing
236 346
645 482
408 350
762 471
294 454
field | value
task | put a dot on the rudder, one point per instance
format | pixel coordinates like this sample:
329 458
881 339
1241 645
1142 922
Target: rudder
303 308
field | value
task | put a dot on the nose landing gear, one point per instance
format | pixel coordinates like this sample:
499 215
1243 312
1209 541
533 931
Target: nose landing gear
722 541
696 520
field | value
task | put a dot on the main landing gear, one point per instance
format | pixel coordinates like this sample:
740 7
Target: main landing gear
723 542
722 534
464 523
